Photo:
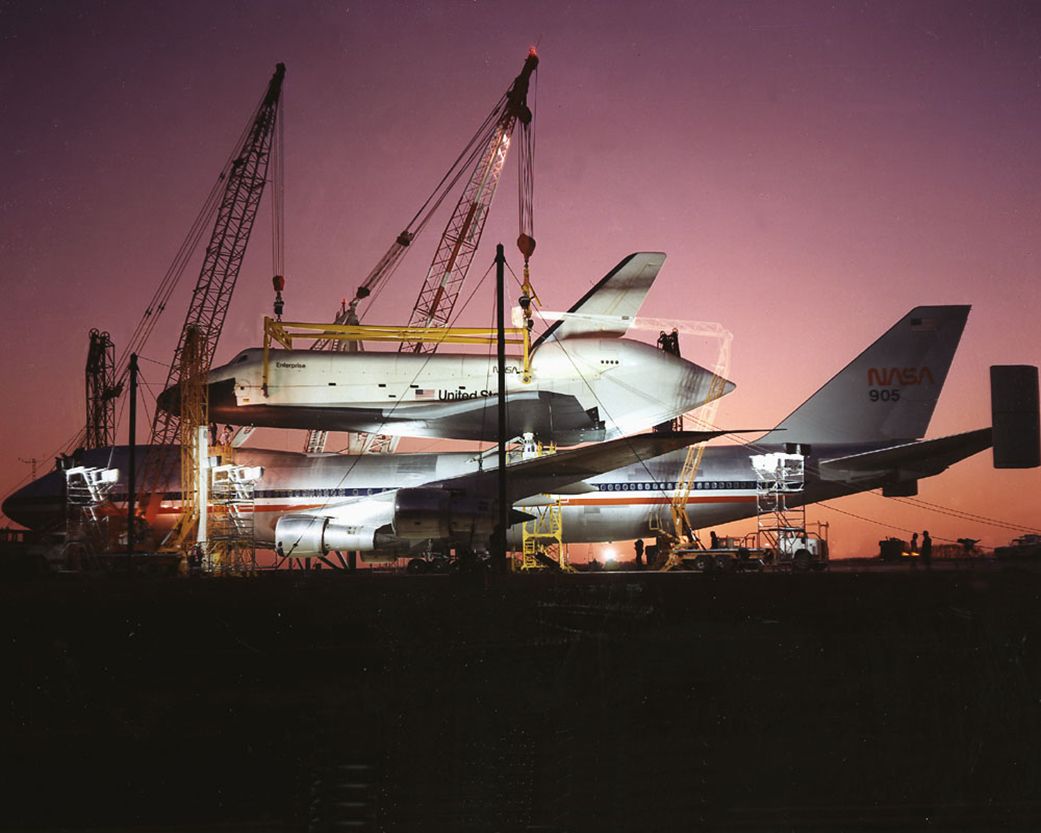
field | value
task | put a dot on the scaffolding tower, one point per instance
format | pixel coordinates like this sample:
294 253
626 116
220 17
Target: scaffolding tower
87 530
780 479
542 538
231 544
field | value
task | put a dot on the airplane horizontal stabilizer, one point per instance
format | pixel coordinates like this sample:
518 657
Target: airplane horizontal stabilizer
910 461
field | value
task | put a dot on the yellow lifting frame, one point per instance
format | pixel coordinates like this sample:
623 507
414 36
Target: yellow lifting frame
284 332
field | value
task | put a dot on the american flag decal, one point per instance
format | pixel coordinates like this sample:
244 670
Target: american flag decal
922 325
424 393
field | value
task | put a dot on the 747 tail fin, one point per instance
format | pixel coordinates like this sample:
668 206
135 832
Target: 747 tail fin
889 391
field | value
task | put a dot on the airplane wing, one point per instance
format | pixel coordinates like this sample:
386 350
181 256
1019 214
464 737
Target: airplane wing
409 516
557 471
910 460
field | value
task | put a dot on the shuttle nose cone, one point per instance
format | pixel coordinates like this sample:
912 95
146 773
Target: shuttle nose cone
221 399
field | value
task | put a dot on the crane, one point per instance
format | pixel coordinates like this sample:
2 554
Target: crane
462 234
244 178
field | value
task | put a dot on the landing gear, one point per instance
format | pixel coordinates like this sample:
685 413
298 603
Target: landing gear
431 563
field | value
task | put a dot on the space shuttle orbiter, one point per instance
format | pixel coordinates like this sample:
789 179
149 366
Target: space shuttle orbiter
587 381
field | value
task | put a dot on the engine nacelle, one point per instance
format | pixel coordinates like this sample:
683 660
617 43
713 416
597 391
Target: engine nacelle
421 513
306 536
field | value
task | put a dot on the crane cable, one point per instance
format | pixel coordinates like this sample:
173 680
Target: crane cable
278 213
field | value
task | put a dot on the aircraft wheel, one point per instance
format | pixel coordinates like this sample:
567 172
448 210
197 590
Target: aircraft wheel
439 565
802 561
417 565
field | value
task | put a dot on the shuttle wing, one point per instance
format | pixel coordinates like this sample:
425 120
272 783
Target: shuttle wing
910 461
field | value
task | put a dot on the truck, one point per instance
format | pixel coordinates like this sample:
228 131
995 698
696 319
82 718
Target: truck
790 548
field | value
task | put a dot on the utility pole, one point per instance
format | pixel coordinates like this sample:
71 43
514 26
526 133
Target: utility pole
499 551
132 463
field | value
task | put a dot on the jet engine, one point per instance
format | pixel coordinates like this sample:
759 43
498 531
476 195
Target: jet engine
304 536
421 514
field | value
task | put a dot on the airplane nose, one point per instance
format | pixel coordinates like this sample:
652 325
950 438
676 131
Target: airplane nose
14 506
37 504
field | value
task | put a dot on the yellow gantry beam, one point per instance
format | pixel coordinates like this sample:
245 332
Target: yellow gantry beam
285 332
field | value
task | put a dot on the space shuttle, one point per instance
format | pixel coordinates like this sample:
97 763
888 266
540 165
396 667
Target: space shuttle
588 382
863 430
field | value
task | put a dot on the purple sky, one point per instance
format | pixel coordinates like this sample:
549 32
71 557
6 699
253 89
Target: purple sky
813 170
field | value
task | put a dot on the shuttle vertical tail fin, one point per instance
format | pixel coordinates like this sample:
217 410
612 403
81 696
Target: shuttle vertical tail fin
889 391
608 309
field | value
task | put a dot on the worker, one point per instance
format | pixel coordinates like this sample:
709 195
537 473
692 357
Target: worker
914 544
714 539
927 549
638 546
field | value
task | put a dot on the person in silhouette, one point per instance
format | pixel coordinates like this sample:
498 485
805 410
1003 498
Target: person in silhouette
914 543
927 549
638 546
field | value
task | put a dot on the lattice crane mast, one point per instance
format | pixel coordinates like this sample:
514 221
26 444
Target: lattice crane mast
102 392
244 179
451 262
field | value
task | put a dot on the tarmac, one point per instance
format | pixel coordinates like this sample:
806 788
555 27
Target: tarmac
861 698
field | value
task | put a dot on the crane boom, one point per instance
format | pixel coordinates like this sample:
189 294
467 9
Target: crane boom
451 262
461 236
245 177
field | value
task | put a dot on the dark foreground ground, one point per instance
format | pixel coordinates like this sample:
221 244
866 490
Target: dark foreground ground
632 702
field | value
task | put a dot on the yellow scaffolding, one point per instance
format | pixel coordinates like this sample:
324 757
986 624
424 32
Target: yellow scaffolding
194 415
542 538
705 415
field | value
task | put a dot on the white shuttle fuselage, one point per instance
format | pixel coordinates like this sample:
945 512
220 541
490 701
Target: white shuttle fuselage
581 389
587 382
